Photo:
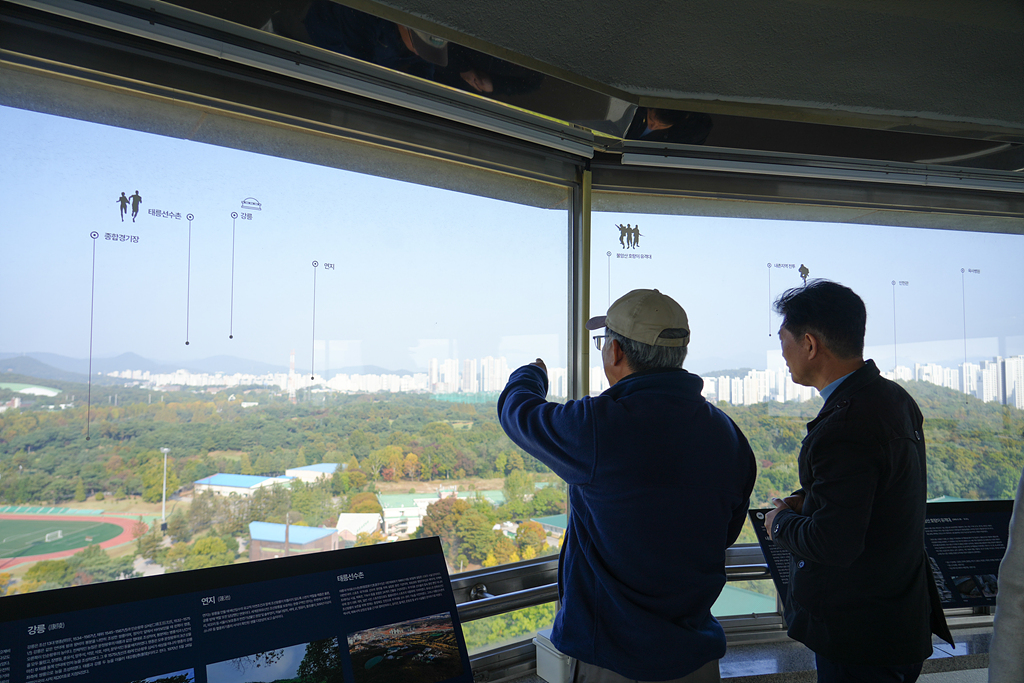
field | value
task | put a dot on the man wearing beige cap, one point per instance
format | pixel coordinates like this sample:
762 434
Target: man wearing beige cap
659 484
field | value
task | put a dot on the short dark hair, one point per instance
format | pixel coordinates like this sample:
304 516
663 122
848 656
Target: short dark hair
642 356
829 311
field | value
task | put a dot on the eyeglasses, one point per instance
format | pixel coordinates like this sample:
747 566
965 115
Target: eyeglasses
599 340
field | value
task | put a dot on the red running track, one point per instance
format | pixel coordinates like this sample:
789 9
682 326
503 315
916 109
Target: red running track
124 537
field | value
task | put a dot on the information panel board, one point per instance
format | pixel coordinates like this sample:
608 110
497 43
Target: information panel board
361 615
965 543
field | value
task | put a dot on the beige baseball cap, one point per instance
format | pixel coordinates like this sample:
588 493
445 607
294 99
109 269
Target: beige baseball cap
430 47
642 315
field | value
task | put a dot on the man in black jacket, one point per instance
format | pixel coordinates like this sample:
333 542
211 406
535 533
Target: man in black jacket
861 596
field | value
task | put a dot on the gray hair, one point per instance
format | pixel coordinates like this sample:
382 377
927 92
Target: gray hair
642 356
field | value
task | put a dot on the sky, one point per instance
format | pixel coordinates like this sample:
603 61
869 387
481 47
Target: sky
718 269
419 273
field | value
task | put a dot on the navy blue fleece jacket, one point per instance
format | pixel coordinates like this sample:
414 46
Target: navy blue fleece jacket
659 484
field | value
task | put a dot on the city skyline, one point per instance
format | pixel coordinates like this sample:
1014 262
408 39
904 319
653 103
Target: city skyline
998 379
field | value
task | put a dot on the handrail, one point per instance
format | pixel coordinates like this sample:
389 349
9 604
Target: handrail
509 602
483 603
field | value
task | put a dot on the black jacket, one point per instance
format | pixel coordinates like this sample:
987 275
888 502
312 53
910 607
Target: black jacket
861 588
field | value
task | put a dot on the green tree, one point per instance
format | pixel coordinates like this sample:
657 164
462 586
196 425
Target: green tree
56 572
147 545
369 538
515 462
549 500
365 502
208 552
80 491
174 559
178 527
517 486
321 662
411 466
442 520
153 479
508 627
356 479
202 511
530 535
94 564
476 534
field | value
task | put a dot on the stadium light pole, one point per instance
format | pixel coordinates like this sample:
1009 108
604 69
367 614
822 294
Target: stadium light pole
163 505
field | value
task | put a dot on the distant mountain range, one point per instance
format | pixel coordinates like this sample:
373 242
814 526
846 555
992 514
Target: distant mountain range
54 366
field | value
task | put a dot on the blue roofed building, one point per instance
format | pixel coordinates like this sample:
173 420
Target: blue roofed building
269 540
236 484
312 473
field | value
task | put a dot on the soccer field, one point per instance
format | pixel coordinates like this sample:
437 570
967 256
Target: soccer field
21 537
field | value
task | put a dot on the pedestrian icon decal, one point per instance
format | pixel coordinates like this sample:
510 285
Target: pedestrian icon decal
135 200
629 236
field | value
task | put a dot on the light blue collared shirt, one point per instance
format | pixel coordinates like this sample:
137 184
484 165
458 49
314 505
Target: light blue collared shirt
827 391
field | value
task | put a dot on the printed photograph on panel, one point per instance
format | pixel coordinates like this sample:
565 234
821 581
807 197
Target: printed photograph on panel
421 650
183 676
315 662
977 585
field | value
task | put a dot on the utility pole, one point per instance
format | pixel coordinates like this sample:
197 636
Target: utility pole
163 505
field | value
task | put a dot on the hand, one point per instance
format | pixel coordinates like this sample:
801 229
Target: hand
478 81
769 519
795 502
540 364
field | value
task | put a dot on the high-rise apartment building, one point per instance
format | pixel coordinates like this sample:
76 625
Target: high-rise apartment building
558 382
991 388
1014 381
970 372
433 374
470 380
494 373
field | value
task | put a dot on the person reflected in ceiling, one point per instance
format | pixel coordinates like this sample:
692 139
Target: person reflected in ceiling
363 36
487 75
360 35
669 125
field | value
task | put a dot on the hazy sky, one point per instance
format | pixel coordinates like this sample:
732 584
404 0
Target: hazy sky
419 272
717 268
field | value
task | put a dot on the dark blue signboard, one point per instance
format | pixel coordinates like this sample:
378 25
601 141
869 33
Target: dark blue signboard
362 615
965 543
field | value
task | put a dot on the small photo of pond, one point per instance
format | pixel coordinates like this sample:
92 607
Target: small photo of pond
424 650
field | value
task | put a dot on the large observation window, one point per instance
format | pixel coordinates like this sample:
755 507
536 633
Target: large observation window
305 347
944 319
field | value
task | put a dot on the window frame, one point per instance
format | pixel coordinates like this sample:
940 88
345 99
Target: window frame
395 117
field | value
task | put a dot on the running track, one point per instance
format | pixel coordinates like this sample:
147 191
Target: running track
124 537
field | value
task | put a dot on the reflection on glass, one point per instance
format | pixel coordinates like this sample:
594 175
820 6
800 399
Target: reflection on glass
670 125
359 35
504 629
363 36
318 352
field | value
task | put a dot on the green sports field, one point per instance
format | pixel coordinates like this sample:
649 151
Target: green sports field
21 537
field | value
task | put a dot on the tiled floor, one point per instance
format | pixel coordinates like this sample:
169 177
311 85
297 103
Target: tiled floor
791 662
